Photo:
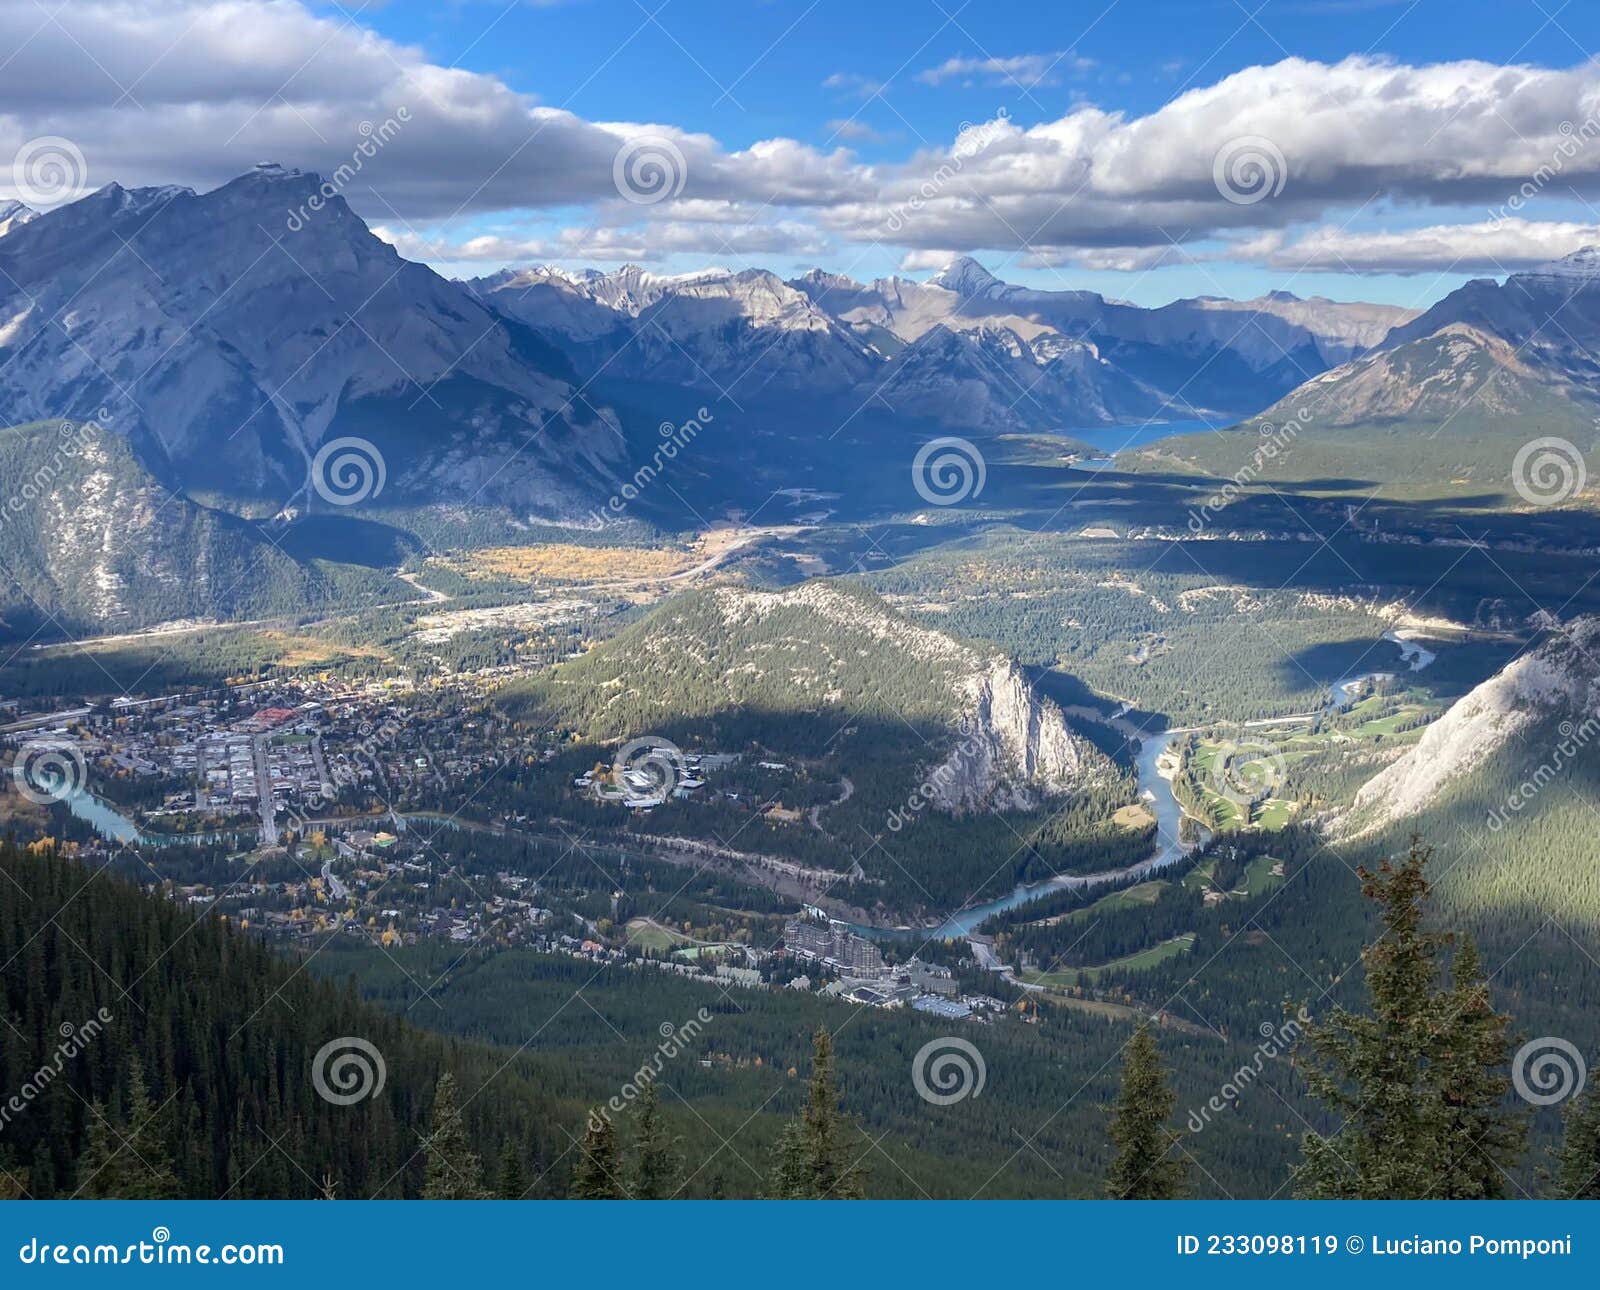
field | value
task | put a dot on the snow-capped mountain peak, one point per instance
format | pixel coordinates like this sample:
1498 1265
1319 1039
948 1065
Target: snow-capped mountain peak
966 277
14 215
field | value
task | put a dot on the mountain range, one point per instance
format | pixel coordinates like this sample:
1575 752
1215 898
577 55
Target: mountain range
962 349
230 337
1447 397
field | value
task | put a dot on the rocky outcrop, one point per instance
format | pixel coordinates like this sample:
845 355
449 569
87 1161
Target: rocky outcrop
1560 679
1014 748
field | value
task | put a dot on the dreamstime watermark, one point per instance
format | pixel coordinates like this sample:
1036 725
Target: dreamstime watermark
1246 772
48 170
1275 1041
373 140
348 1070
948 1070
941 779
1574 139
649 168
1249 169
1548 1070
348 471
649 769
674 439
1275 442
674 1041
948 470
1548 471
1574 738
74 1039
970 141
160 1250
49 770
72 439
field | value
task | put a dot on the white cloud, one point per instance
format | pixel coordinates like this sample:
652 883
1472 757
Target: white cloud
850 128
186 91
1025 70
633 244
855 84
1463 134
1490 247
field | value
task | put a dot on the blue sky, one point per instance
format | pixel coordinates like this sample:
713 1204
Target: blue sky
748 71
1406 145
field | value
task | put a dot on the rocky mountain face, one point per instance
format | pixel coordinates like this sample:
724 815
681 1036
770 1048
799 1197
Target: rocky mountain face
962 348
1430 379
1447 398
736 332
1015 747
92 540
1549 315
230 334
1529 344
1541 710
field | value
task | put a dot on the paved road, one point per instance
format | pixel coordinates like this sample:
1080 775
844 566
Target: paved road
336 889
269 812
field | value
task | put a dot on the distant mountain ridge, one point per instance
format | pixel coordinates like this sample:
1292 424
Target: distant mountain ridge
961 349
1448 396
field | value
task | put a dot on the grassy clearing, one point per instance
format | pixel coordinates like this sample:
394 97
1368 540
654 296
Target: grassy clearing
1067 978
647 934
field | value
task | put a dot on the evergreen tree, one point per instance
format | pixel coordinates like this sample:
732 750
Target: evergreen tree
511 1185
656 1167
1415 1084
127 1157
454 1170
1577 1172
1146 1166
789 1180
597 1175
814 1159
1480 1137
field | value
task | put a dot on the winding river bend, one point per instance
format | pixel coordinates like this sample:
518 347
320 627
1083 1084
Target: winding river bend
1154 789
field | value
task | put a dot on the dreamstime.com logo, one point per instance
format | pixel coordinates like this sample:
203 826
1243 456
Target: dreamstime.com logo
943 778
1548 471
948 1070
1249 169
49 770
649 168
649 769
348 1070
73 439
970 141
948 470
160 1249
373 139
674 1041
1275 1041
1573 740
1548 1070
74 1039
1246 772
48 170
674 439
1274 441
348 471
